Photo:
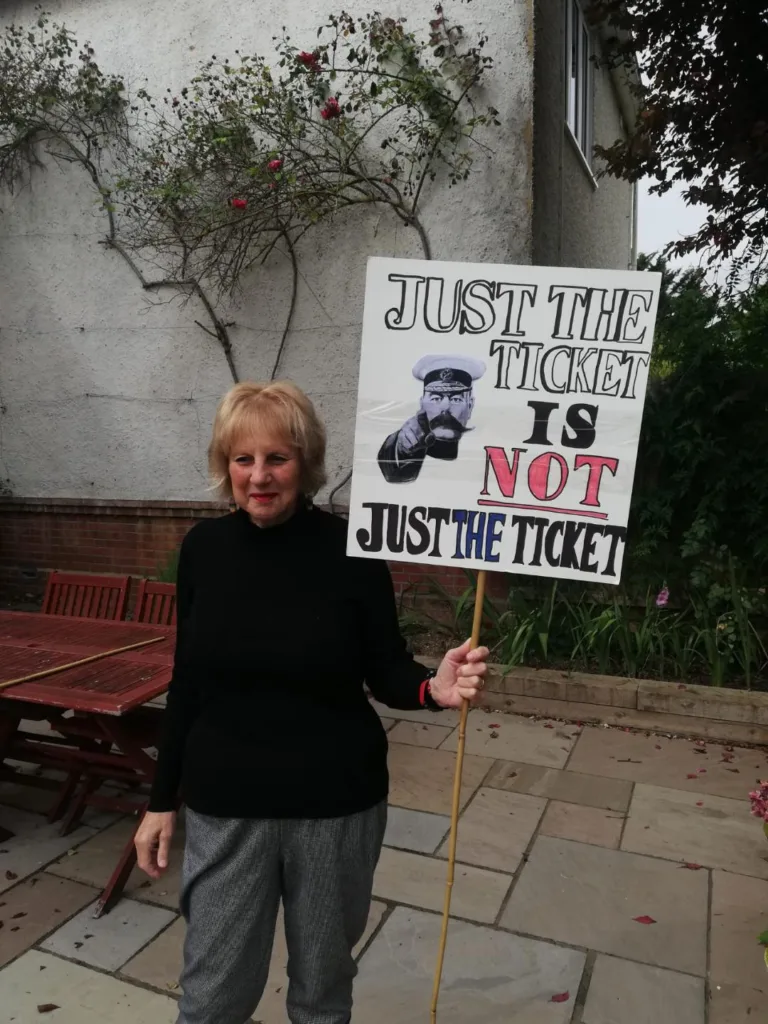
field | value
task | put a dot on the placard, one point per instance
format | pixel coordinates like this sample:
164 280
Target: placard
499 412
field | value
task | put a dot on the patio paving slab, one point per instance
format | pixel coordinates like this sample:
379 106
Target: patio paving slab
720 833
419 734
34 844
656 760
582 824
35 907
568 786
26 797
739 915
94 862
271 1009
419 881
517 739
39 800
588 896
415 830
576 890
496 828
159 964
623 992
109 941
422 779
489 977
82 996
447 718
732 1004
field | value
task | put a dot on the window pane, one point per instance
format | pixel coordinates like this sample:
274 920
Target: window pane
579 49
574 65
578 76
585 77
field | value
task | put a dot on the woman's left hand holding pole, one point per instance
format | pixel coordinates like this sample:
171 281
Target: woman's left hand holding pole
460 677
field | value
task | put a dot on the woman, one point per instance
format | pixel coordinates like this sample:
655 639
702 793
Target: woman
270 739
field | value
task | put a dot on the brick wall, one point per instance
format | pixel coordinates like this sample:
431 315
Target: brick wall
134 537
139 538
412 578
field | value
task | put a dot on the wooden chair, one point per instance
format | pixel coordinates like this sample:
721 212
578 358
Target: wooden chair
86 596
155 603
80 595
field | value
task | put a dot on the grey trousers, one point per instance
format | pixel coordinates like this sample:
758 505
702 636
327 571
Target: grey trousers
235 873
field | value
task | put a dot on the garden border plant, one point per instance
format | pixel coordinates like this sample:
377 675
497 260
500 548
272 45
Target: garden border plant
563 625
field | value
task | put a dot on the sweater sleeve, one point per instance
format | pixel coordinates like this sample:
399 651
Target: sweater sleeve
182 705
393 676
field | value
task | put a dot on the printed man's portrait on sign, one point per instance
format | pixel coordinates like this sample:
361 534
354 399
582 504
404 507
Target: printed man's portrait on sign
441 419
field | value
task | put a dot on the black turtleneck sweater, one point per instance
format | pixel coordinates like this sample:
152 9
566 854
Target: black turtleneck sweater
278 629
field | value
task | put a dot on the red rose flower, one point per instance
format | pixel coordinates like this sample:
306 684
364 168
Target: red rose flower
239 204
311 61
331 109
274 165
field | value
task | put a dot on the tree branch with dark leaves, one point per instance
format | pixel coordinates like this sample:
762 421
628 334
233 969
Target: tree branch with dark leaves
702 123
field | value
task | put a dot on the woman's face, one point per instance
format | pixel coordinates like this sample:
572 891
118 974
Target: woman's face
265 473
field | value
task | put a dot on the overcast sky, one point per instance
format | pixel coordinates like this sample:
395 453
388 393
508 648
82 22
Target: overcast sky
662 219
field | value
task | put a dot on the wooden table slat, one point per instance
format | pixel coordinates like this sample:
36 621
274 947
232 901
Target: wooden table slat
114 685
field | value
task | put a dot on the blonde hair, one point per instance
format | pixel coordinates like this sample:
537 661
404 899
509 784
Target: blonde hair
280 408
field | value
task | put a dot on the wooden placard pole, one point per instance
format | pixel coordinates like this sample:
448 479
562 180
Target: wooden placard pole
74 664
456 804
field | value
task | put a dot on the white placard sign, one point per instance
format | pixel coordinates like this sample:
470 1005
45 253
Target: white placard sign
499 411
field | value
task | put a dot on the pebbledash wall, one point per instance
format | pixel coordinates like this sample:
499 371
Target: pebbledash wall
107 395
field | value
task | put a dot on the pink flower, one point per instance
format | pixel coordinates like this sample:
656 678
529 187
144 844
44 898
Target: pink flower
239 204
331 109
274 165
662 598
311 61
759 800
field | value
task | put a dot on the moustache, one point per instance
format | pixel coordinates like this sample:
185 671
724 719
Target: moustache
444 419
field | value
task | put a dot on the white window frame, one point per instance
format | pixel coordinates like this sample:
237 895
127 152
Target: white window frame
579 78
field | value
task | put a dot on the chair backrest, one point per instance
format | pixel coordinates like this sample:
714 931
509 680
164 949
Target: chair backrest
155 603
86 596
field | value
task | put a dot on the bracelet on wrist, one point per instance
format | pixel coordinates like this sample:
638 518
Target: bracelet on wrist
426 699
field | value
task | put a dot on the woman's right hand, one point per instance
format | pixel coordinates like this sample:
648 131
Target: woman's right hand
153 841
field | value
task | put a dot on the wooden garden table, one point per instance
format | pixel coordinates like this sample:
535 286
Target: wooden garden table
110 729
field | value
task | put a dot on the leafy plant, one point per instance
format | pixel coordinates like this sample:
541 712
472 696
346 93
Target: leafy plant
168 570
525 627
254 152
701 487
592 630
52 92
684 644
207 182
713 637
700 114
